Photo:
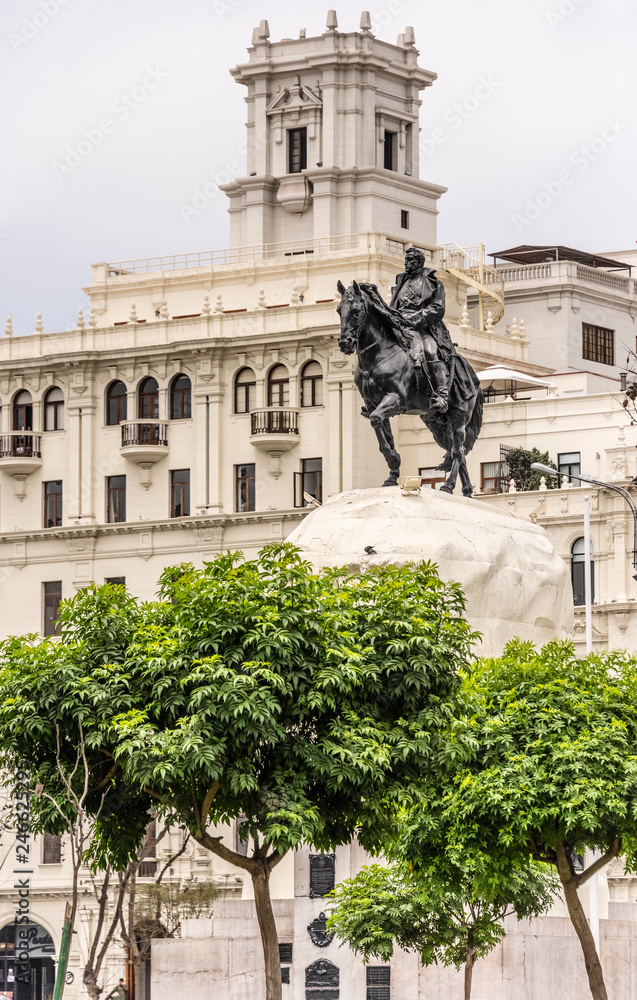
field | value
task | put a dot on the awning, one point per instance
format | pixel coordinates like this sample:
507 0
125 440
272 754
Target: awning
499 379
538 254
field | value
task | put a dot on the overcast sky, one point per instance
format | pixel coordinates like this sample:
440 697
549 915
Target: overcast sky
531 125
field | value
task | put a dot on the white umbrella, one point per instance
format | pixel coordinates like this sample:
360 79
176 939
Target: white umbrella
498 378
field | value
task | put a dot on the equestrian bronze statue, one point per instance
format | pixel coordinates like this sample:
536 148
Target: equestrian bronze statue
407 363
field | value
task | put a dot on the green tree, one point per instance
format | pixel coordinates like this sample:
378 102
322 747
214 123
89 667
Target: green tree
543 762
308 702
446 910
519 461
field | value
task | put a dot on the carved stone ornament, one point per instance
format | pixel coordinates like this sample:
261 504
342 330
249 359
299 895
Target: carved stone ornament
208 535
322 973
85 543
318 932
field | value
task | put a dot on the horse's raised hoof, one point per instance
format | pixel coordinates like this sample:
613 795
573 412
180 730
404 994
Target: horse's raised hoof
445 489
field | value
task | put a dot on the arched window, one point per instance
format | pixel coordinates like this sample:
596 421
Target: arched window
23 411
577 572
180 398
54 410
245 391
148 400
116 403
312 384
278 386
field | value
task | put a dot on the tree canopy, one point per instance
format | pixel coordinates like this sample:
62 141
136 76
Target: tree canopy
519 462
543 763
307 702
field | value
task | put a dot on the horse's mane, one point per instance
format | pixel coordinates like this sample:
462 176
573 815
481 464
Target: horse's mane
391 318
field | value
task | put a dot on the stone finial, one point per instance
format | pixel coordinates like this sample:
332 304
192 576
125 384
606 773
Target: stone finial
255 36
219 303
543 485
263 31
92 318
132 316
332 20
8 326
80 319
566 483
39 325
465 322
205 309
400 41
261 303
513 332
522 330
488 325
163 312
512 487
366 21
410 37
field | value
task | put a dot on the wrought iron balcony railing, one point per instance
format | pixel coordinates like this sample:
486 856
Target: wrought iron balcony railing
144 432
20 444
274 421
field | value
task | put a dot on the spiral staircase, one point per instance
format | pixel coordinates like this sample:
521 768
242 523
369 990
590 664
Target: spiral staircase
467 264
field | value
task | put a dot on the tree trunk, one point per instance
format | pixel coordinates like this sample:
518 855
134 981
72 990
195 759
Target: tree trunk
468 973
580 923
267 926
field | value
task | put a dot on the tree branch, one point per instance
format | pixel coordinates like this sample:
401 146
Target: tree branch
613 851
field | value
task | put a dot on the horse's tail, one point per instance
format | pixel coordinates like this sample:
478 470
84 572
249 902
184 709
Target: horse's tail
440 429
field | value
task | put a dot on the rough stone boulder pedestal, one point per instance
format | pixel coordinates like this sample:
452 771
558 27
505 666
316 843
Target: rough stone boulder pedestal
514 581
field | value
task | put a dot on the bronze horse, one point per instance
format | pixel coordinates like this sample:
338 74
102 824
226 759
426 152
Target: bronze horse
391 382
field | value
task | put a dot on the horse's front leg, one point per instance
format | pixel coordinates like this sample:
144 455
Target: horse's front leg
379 419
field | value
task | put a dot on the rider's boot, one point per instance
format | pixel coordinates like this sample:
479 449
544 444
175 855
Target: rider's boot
438 375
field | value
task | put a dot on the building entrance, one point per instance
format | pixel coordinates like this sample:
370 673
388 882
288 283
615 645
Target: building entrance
27 968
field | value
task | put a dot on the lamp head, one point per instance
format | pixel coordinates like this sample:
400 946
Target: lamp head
538 467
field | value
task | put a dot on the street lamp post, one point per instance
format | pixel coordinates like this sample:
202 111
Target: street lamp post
582 478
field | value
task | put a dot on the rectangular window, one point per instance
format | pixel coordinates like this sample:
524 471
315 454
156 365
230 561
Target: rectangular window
598 344
53 504
244 487
308 483
297 150
378 982
389 152
52 595
404 219
494 477
115 499
51 849
180 493
568 464
431 478
148 863
115 581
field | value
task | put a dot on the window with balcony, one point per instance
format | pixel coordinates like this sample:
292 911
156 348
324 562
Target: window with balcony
598 344
115 499
54 410
180 398
51 849
278 386
297 150
578 564
148 399
53 504
378 982
244 487
568 464
312 384
245 391
51 598
180 493
116 403
494 477
23 411
308 483
389 150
